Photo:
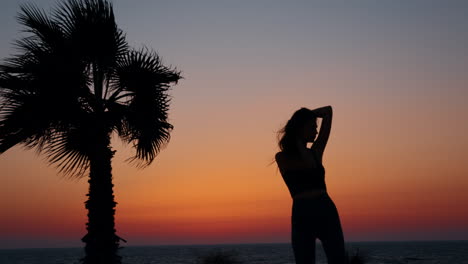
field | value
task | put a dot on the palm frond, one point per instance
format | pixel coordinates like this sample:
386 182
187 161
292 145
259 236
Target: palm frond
42 88
69 151
74 71
145 82
90 26
22 117
46 61
44 28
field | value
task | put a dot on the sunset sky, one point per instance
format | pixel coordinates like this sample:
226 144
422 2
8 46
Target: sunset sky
395 72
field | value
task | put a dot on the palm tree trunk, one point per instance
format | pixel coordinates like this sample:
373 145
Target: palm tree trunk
101 241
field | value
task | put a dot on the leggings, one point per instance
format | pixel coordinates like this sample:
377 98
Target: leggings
316 218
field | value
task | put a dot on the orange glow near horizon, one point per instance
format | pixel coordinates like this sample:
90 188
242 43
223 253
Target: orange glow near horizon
193 194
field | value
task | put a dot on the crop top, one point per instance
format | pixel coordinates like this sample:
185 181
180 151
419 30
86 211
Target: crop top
304 179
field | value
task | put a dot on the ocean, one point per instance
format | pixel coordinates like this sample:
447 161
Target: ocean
427 252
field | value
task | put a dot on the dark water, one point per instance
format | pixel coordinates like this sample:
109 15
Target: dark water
433 252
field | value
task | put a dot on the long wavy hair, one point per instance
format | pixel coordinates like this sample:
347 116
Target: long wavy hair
288 134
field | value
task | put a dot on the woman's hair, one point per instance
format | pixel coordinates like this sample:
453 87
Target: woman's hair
288 134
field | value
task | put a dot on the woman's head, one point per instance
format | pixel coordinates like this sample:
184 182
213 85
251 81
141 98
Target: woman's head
301 127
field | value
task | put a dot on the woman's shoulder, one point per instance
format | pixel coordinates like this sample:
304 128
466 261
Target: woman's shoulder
288 160
281 159
284 159
279 155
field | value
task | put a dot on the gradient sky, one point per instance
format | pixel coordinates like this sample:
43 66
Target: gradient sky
396 73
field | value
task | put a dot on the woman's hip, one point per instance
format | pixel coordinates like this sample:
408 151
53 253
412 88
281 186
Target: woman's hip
314 209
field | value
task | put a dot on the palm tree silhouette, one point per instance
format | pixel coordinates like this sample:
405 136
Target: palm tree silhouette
75 82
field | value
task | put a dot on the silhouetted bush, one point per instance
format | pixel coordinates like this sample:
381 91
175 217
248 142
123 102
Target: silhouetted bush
357 258
219 257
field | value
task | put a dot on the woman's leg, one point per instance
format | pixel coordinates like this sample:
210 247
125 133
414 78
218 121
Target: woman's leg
303 247
331 235
302 233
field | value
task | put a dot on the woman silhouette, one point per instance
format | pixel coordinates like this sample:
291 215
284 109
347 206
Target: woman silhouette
314 214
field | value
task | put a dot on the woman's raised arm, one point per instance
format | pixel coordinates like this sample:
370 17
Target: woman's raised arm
326 113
